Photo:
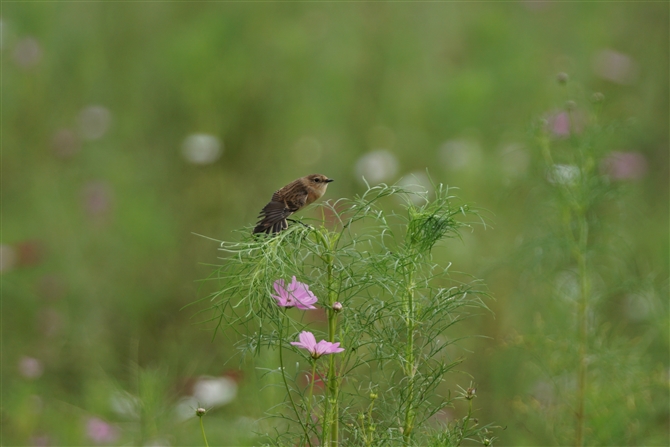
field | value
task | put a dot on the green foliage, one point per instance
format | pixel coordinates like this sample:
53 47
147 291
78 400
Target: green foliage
589 371
398 306
99 258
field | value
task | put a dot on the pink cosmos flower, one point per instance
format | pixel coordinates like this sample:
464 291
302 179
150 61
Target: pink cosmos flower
625 166
562 124
296 294
100 432
307 341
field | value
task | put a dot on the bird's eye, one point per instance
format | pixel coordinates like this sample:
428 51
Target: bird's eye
317 180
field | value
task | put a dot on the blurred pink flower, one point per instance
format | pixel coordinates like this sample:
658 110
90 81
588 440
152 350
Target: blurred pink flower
98 197
307 341
624 165
65 143
100 432
30 368
562 124
296 294
616 67
30 252
27 53
39 441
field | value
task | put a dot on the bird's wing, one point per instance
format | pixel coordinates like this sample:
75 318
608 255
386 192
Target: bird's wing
273 215
296 201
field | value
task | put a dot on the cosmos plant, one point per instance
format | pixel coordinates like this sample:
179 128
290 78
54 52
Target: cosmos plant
376 289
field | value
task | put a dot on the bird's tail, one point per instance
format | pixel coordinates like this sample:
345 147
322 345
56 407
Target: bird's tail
268 226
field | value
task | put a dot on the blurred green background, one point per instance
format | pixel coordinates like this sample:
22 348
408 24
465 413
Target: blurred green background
128 127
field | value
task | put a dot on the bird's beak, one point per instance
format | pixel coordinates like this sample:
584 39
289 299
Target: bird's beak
329 180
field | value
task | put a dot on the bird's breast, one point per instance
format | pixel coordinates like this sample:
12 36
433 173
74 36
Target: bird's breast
313 194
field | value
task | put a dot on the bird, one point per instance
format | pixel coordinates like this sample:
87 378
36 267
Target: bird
288 200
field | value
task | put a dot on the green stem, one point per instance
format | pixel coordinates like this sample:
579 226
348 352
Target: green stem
311 391
332 419
202 429
333 388
579 252
288 389
466 422
368 443
410 371
582 317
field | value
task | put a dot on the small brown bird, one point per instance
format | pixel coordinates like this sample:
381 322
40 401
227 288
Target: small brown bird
291 198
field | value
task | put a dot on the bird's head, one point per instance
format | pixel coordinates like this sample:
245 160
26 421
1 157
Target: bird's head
318 183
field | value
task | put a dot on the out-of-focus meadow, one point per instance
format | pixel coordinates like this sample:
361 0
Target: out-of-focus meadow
127 128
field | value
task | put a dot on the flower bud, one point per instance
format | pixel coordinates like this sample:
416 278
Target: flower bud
562 78
470 393
373 396
200 412
337 306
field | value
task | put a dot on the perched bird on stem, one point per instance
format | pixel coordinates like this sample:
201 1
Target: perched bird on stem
291 198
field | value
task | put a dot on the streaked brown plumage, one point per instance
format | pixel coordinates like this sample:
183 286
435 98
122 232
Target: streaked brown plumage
291 198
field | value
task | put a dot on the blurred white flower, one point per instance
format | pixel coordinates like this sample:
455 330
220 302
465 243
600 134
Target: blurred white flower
215 391
460 154
27 53
563 174
208 392
639 307
94 122
614 66
514 160
307 151
624 165
30 367
377 166
418 183
8 258
566 286
125 404
201 149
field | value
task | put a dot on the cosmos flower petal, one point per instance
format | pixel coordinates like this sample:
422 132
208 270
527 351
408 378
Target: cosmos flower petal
307 339
308 342
279 286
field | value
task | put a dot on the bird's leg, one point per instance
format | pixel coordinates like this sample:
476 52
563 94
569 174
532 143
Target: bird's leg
297 221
